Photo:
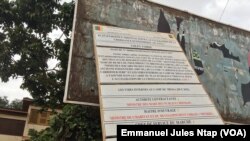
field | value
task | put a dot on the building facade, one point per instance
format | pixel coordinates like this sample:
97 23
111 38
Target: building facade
15 124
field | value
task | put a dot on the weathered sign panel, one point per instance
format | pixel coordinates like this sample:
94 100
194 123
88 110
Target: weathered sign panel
219 53
123 65
146 82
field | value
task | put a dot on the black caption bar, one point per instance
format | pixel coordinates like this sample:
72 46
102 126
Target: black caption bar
201 132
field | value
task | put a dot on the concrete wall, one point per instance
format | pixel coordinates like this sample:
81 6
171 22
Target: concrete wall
32 126
12 117
29 126
37 127
10 138
219 53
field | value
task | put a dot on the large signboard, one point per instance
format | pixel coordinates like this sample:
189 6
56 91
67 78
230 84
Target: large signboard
145 78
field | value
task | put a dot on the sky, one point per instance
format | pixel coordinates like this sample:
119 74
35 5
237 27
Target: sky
235 14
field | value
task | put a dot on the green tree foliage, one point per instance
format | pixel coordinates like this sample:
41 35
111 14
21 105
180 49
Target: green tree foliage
72 125
24 32
26 47
15 104
4 102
